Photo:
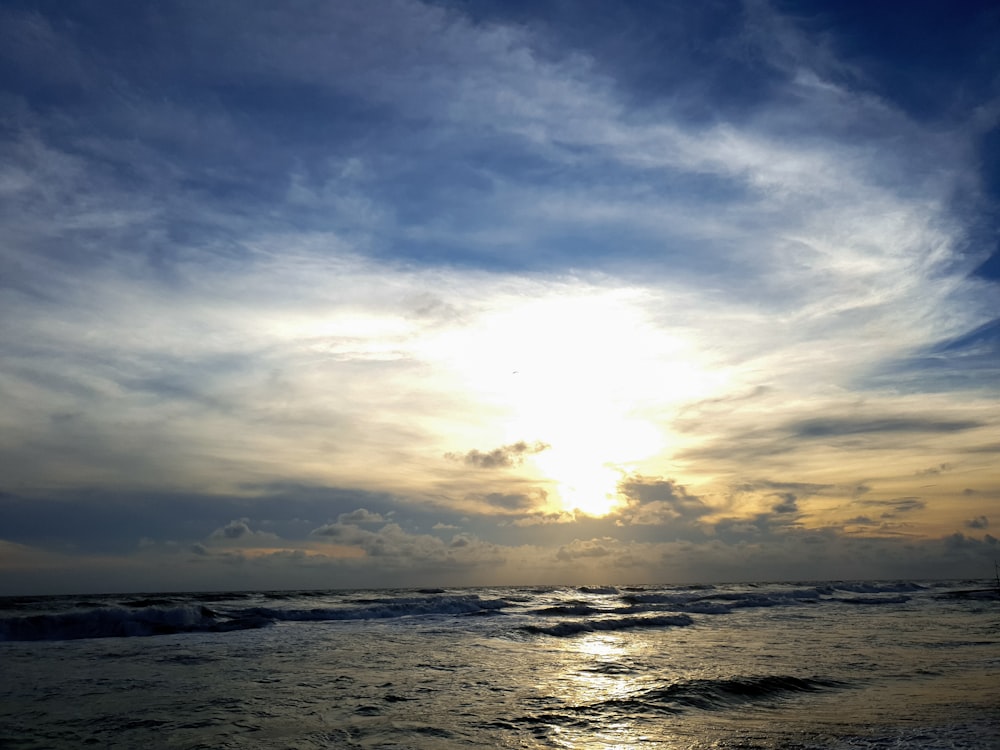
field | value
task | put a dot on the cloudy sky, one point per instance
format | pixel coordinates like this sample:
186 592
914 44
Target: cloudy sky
342 294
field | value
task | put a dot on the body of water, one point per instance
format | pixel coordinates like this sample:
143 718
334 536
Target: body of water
913 664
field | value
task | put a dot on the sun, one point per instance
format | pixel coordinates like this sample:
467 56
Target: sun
581 486
586 461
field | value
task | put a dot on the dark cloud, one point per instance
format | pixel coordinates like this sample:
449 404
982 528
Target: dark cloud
759 444
860 521
787 503
542 518
108 521
934 470
239 531
844 426
233 530
396 548
959 541
979 522
802 489
652 500
897 506
583 549
775 527
988 448
738 446
278 494
514 501
503 457
361 515
345 533
788 494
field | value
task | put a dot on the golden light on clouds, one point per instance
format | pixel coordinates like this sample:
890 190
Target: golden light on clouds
580 372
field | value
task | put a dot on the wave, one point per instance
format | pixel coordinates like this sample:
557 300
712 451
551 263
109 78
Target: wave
380 609
603 590
872 599
711 695
8 603
717 603
568 609
707 608
147 617
779 596
221 596
984 594
863 587
659 598
122 622
571 628
148 602
136 618
681 697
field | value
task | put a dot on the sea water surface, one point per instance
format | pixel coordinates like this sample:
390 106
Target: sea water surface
910 664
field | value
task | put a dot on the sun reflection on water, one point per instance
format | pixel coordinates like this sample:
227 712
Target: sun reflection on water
603 673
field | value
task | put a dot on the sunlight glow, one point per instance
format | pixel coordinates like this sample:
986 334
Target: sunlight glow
578 371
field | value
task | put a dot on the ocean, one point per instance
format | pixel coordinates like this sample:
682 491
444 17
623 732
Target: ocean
906 664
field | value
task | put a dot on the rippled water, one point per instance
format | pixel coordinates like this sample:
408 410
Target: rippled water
838 665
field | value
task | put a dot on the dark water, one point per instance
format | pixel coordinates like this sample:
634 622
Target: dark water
831 665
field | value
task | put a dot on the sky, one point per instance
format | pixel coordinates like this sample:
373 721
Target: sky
480 292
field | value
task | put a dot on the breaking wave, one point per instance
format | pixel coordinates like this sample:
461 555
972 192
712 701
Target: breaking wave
380 609
684 696
723 602
147 617
600 590
901 599
122 622
571 628
710 695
